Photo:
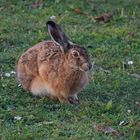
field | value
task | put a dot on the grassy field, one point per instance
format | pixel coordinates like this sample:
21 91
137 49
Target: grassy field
111 99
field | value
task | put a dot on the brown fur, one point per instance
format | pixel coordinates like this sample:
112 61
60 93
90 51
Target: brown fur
45 69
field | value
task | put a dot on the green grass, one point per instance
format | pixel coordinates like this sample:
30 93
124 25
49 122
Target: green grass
106 100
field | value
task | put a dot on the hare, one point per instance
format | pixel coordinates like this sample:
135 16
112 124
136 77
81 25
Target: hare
57 68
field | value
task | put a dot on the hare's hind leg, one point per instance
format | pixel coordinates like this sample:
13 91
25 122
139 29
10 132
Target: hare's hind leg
61 96
24 78
62 99
41 88
37 87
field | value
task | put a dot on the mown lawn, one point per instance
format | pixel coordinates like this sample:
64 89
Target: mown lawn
111 99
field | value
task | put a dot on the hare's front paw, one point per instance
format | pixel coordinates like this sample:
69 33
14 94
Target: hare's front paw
73 99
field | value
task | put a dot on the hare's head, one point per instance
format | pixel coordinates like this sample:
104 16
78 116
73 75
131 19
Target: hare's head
76 56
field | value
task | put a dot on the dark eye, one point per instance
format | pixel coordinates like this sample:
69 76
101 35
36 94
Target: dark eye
75 53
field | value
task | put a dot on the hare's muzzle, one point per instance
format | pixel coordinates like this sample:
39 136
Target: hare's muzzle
86 66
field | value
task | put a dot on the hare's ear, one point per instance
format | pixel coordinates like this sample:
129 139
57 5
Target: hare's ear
58 35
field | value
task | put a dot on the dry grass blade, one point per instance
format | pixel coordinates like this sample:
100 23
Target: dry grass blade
35 5
79 11
108 130
104 17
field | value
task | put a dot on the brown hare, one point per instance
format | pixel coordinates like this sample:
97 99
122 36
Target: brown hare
57 68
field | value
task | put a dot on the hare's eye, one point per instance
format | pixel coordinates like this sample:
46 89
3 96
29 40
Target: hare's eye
75 54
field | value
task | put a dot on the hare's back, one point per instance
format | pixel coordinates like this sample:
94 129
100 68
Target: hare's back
37 54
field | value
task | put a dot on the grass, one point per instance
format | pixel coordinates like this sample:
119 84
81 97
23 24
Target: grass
107 98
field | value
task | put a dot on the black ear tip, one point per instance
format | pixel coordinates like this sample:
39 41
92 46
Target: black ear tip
52 23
